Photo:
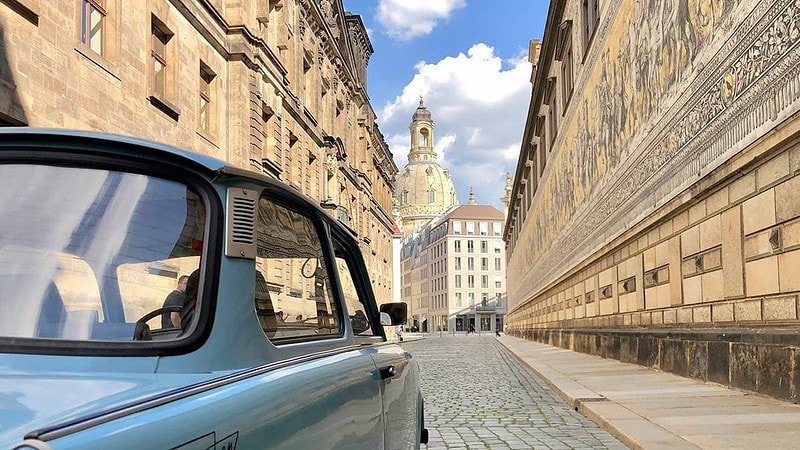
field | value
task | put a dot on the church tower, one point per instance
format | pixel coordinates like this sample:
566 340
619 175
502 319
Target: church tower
423 189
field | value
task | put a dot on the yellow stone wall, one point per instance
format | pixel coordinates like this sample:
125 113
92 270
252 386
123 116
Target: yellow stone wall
670 171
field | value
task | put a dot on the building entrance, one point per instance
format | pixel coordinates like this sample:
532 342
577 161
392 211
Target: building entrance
486 323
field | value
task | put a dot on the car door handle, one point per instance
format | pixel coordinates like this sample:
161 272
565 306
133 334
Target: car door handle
387 372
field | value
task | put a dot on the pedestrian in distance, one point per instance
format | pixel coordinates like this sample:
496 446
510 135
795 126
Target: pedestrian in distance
399 332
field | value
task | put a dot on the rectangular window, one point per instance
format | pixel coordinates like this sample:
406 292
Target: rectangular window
458 263
458 299
552 113
206 80
457 227
470 263
471 299
484 228
484 246
457 246
470 228
497 246
470 246
470 281
566 74
308 81
159 38
590 18
93 17
496 228
484 282
484 263
458 281
497 264
542 157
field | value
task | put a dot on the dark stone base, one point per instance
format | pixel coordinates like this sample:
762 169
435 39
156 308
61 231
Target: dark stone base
766 361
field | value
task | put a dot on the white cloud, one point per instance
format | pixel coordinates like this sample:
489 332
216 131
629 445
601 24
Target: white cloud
443 145
406 19
479 105
510 153
399 144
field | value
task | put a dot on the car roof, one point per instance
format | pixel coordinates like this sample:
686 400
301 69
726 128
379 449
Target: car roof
12 136
27 134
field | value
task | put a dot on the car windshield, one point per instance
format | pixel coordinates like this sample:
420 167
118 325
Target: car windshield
86 254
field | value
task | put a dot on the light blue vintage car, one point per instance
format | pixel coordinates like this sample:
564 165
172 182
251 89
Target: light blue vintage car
154 298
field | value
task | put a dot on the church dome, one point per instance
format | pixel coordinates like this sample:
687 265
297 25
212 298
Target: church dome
424 187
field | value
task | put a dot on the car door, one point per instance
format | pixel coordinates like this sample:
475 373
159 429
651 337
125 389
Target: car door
397 370
300 309
325 400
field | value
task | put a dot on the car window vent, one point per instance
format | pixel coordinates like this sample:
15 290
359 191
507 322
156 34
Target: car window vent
244 220
241 223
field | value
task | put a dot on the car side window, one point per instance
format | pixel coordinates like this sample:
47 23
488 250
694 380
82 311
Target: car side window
354 299
293 292
95 260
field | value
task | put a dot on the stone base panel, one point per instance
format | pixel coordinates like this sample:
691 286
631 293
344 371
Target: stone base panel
750 359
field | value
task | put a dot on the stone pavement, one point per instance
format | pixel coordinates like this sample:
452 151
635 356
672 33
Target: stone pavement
649 409
478 395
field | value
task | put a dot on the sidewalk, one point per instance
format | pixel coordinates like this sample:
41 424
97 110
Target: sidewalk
648 409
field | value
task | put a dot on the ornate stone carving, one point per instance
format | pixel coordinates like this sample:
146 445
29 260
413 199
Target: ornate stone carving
330 17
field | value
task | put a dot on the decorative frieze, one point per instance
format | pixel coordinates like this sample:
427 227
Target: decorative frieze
651 124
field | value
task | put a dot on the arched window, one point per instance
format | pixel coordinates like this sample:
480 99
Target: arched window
404 198
424 138
431 196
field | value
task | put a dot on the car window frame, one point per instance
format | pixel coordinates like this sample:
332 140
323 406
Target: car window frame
362 286
280 196
134 159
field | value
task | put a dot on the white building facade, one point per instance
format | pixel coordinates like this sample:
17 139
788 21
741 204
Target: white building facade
453 271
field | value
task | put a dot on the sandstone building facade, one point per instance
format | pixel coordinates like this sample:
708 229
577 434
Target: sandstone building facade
655 215
275 86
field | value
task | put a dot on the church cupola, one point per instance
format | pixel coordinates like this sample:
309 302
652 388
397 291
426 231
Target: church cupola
421 129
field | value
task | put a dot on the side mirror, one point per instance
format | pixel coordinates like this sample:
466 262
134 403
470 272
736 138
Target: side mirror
393 314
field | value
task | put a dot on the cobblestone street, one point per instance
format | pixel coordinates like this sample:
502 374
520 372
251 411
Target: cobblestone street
478 395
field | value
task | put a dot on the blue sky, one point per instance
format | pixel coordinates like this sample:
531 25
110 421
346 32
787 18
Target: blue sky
468 59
